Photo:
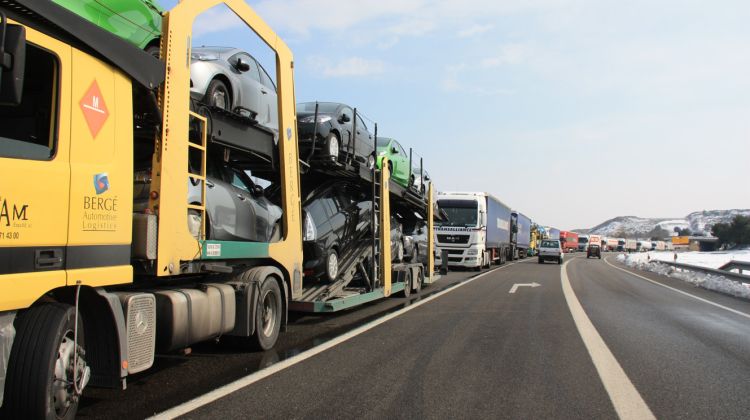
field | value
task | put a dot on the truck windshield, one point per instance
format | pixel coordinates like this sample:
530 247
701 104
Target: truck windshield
462 213
583 240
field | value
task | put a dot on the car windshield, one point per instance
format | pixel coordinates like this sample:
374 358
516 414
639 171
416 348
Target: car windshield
550 244
383 142
323 107
462 213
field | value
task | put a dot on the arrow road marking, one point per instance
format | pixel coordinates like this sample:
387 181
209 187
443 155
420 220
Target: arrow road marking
517 285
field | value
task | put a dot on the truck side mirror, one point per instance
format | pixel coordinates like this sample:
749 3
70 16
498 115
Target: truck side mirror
12 61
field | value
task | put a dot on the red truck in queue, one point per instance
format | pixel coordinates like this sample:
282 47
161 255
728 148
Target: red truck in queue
569 241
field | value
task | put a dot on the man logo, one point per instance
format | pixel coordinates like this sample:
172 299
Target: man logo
101 183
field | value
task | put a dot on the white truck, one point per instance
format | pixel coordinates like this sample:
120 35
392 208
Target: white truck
476 229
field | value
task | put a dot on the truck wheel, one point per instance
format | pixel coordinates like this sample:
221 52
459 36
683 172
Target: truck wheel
407 283
40 376
420 280
540 261
268 314
559 260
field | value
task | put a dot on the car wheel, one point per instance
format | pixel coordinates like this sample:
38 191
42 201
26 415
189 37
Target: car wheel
400 252
390 168
540 261
414 257
333 146
276 234
153 50
332 265
370 162
217 95
194 224
411 181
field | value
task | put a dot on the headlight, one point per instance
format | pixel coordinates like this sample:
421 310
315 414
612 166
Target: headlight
471 252
204 57
311 119
311 232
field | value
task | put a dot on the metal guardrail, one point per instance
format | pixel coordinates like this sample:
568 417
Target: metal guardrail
736 265
728 274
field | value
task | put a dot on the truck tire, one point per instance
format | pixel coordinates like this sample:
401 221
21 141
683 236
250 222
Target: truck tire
540 261
407 283
418 284
268 315
44 342
559 260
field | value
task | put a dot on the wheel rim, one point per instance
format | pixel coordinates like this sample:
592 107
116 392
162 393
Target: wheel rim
194 224
400 254
333 147
333 265
269 313
220 99
371 161
63 394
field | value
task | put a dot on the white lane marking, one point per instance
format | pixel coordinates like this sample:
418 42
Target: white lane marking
627 401
517 285
227 389
734 311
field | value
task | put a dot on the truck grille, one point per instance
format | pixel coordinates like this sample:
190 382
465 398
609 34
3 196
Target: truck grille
453 239
455 251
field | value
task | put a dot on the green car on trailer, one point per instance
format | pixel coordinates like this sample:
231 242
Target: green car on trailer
137 21
398 161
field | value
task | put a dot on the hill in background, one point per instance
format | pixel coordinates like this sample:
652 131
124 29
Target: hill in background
699 222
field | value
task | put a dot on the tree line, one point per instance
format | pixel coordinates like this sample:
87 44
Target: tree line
736 232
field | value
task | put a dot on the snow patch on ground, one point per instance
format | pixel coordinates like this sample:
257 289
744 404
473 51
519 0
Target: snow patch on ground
701 259
649 261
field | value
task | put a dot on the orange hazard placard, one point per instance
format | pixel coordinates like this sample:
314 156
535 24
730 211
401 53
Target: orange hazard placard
94 109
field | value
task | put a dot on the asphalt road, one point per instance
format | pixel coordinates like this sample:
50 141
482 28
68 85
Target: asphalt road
479 351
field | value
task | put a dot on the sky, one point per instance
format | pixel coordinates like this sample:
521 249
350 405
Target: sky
570 111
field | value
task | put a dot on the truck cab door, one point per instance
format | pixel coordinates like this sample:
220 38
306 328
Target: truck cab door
101 173
35 176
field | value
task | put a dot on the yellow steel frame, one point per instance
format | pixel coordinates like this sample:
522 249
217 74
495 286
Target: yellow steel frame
385 228
430 269
175 243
